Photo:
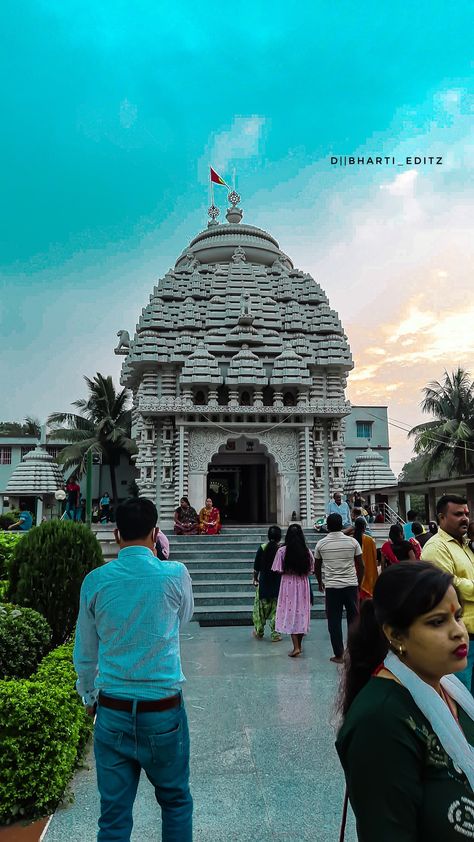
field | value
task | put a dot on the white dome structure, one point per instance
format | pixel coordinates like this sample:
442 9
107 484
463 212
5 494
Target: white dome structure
38 475
369 473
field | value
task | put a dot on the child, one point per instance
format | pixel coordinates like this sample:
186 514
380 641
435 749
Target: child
268 585
295 562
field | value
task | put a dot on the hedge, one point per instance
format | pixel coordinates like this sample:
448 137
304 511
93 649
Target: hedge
24 640
47 570
8 542
44 729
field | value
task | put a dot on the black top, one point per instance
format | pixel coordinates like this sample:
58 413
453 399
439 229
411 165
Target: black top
402 785
268 581
402 550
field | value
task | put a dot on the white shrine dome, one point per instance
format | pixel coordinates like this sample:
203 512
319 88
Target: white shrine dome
369 473
38 473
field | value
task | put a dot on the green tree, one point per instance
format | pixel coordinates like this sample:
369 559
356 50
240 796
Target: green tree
103 425
31 427
449 438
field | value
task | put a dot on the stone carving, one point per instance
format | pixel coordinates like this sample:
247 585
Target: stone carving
123 346
283 446
202 446
239 255
192 263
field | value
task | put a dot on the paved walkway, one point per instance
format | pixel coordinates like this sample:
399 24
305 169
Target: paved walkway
264 767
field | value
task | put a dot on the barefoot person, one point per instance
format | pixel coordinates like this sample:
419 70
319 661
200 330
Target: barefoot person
209 519
339 571
127 658
295 562
406 717
267 584
186 521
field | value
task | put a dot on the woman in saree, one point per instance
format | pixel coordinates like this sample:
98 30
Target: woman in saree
186 520
369 557
209 519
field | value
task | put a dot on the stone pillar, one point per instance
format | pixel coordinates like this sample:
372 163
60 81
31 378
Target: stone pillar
258 397
432 503
278 399
39 510
470 498
407 503
212 397
233 398
319 470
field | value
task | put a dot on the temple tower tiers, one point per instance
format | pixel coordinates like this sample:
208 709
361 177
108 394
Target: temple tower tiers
238 368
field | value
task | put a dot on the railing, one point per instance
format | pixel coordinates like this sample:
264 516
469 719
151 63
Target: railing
390 515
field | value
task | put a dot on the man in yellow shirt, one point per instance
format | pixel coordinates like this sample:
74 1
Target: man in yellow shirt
449 549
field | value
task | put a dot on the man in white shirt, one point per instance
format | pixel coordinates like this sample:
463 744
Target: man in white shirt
127 658
339 570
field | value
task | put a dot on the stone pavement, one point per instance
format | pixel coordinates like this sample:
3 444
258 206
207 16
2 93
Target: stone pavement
264 767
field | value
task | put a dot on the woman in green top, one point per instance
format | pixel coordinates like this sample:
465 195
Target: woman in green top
408 730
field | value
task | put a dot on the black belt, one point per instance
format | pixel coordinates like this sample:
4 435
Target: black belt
148 706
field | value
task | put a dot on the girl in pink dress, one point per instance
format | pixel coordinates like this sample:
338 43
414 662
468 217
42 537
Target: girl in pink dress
295 562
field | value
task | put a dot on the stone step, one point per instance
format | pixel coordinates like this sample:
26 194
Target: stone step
209 574
228 615
242 597
220 586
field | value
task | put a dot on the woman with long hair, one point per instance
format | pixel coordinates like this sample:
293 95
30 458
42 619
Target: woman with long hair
408 722
295 562
396 549
267 584
369 557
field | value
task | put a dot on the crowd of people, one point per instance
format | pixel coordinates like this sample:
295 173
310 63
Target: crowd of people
406 695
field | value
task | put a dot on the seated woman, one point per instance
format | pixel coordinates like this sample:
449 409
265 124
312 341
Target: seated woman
186 521
209 519
405 715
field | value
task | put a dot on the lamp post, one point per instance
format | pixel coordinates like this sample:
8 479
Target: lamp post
89 489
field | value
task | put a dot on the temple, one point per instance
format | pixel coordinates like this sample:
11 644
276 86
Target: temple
238 369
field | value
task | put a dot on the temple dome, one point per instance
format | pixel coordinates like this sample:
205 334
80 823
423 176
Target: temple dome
246 369
38 473
368 473
218 243
290 369
200 368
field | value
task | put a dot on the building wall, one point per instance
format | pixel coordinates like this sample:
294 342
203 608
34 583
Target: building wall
125 471
377 418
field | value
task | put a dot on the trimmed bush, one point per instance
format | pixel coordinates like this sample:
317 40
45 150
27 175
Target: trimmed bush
47 570
8 542
24 640
7 518
44 729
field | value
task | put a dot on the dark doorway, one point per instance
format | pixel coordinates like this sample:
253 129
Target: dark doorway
239 492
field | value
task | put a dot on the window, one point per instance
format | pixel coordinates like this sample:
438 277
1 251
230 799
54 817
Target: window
318 471
149 434
26 449
200 398
5 455
336 473
245 399
364 429
335 435
289 399
53 450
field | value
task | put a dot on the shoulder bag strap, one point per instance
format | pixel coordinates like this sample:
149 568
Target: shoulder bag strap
344 817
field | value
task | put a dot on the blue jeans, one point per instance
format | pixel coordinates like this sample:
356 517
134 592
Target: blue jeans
467 675
126 743
72 512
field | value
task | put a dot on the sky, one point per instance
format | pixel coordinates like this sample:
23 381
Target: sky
111 114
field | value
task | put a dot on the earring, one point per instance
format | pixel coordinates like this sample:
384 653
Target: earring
401 650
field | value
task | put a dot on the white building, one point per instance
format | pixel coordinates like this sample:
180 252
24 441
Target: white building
238 369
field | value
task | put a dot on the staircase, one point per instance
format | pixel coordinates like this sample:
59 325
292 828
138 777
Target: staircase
221 567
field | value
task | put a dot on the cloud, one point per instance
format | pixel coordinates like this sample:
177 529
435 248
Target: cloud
240 141
402 185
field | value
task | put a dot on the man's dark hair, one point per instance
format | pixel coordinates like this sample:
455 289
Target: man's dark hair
443 502
136 518
412 515
417 528
23 507
334 522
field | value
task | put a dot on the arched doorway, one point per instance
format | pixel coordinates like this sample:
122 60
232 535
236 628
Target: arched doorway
242 481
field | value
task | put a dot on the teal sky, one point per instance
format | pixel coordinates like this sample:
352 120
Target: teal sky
112 111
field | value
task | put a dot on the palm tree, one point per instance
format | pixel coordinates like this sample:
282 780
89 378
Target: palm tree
450 437
103 425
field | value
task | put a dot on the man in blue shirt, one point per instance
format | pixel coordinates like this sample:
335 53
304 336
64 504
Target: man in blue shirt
127 658
337 507
408 526
25 521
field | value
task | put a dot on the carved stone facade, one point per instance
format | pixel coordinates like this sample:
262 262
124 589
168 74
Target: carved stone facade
238 356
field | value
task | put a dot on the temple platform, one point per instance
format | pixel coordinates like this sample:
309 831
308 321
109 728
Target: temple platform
263 763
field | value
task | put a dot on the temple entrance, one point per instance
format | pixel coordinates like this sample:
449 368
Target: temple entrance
241 481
